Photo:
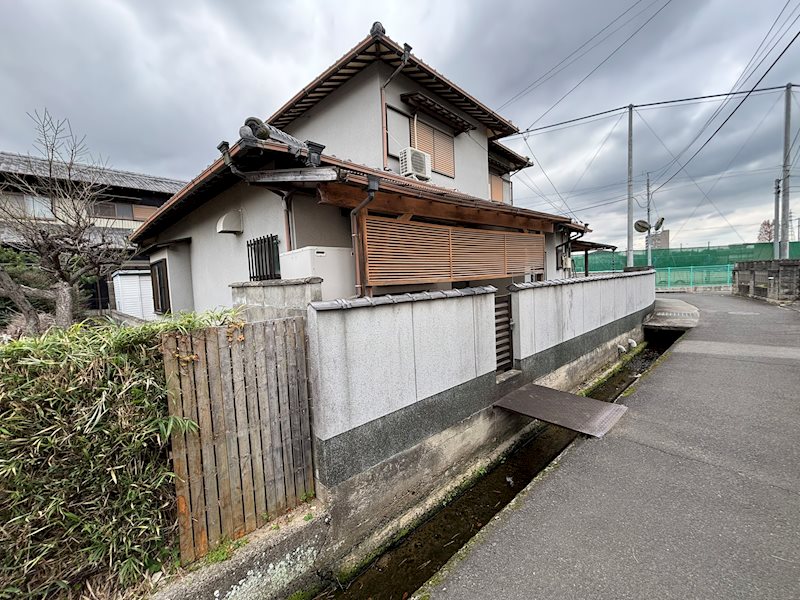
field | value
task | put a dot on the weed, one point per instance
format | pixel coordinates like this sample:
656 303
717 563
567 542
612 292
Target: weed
224 551
308 517
307 497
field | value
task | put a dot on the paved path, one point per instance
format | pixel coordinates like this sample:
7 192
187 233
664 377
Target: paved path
694 494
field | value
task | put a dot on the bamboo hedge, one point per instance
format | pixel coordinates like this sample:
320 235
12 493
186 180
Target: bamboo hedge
86 489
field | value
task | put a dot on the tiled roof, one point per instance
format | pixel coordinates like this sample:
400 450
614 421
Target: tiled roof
21 164
378 47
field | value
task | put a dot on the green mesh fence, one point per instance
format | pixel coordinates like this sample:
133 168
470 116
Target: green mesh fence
686 267
603 260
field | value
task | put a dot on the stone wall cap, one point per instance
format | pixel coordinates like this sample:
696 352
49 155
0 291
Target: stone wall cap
518 287
277 282
343 304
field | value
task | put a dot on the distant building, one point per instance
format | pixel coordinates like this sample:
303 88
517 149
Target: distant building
128 199
660 240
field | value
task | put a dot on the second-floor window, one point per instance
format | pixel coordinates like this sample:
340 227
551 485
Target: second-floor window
37 207
122 210
437 143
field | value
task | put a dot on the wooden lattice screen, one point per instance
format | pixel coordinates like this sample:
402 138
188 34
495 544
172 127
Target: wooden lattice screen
250 459
401 252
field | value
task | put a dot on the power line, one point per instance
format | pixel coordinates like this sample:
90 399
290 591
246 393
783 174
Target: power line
538 163
604 61
733 112
683 167
553 71
597 152
609 112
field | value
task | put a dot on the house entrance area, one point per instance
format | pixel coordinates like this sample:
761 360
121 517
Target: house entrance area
503 323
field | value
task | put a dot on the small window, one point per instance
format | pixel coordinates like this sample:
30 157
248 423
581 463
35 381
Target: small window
496 187
158 277
104 209
398 131
142 213
124 210
39 207
439 145
263 258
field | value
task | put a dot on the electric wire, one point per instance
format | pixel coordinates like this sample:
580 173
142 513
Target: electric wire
554 70
733 112
604 61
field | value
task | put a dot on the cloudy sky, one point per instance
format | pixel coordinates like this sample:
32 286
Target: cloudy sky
156 85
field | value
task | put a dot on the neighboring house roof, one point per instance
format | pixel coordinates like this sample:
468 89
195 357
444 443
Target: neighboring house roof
378 47
22 164
218 176
586 245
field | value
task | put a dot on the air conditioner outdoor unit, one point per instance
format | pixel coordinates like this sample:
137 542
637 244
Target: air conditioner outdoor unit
415 163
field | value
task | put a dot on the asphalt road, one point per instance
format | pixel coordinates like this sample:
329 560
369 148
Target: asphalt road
694 494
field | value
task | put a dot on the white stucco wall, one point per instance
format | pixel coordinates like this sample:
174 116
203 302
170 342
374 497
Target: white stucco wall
370 361
319 224
471 154
347 122
550 313
215 260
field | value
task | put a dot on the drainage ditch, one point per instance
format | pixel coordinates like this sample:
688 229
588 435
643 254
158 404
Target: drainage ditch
403 568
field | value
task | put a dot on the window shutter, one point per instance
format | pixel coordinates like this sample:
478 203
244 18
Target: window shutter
141 212
444 159
496 183
425 138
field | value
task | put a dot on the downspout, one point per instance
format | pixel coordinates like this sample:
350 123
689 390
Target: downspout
403 62
569 242
373 185
286 201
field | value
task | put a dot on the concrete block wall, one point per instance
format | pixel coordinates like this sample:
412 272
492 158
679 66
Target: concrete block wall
275 298
549 313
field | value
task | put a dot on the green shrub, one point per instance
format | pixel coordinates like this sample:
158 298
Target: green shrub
85 481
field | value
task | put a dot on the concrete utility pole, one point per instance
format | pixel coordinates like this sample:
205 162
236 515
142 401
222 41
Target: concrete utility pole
650 224
630 185
787 122
776 253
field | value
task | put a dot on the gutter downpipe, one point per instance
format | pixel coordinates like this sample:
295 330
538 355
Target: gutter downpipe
569 242
373 185
385 143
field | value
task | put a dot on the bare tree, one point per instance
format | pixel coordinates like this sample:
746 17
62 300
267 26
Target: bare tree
766 232
48 208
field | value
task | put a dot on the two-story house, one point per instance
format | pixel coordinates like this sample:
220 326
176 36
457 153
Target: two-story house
399 185
126 200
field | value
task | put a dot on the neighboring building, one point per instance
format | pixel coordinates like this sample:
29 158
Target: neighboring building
274 206
128 199
660 240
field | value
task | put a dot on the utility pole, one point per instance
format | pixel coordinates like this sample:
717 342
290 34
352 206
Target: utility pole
787 121
776 253
649 223
630 185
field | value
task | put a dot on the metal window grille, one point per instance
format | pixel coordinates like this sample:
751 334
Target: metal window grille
263 258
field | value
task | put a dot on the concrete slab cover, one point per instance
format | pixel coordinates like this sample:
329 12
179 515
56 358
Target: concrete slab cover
670 313
586 415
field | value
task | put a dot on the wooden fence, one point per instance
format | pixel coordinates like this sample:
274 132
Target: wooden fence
246 387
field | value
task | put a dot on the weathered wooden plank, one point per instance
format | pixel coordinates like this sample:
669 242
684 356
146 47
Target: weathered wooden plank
226 338
294 409
276 442
264 416
178 439
254 422
284 407
305 413
193 451
206 432
242 430
215 376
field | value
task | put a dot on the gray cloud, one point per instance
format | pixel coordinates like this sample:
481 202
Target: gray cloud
156 85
